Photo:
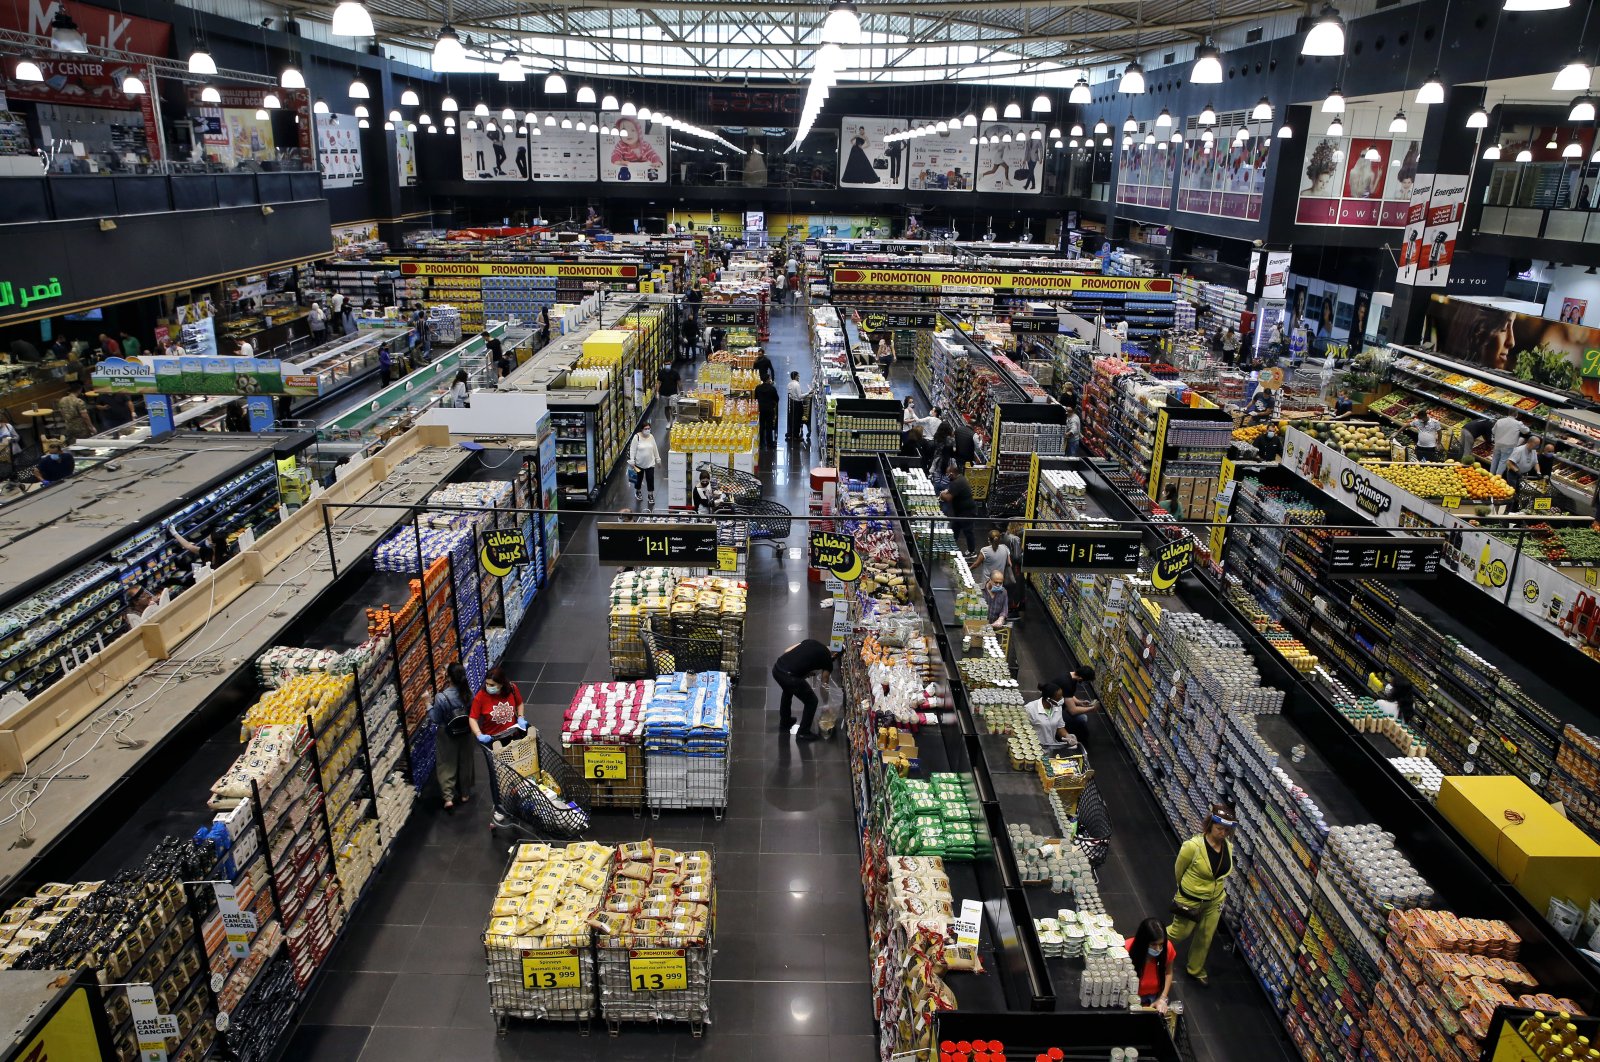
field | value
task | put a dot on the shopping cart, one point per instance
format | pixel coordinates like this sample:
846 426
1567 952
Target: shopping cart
769 524
736 486
686 647
536 793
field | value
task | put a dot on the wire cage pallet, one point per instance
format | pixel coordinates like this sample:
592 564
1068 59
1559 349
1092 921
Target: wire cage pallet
536 792
683 783
613 772
687 645
553 983
659 977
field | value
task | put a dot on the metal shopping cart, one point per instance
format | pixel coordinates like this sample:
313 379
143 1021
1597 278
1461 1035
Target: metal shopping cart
536 792
686 647
735 485
769 524
1094 826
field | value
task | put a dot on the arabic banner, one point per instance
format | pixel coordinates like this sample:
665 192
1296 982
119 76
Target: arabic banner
889 278
158 374
22 296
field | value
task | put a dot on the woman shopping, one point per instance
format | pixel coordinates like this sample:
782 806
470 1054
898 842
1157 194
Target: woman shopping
1204 863
497 710
452 740
642 459
1153 956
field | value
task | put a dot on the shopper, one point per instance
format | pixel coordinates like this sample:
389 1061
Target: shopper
319 324
667 382
763 365
1325 376
718 339
1073 431
336 307
642 460
211 553
791 671
56 464
1204 863
1171 502
108 346
885 357
1077 707
1342 405
1153 957
1547 459
1012 539
113 410
385 365
994 558
131 347
245 349
707 498
1426 425
1471 432
74 412
1523 460
496 711
999 602
1230 346
691 338
453 743
915 445
944 449
1505 434
1047 713
1270 445
796 427
78 369
908 413
11 442
236 418
963 509
460 387
767 409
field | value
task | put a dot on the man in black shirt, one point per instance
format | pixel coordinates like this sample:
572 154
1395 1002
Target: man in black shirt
767 408
790 671
762 365
1270 445
1075 708
966 445
667 377
961 506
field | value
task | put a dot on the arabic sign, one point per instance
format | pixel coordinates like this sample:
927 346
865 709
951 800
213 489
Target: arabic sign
24 296
518 269
1035 325
502 549
835 553
901 320
684 545
1172 560
1094 551
160 374
1383 556
889 278
737 316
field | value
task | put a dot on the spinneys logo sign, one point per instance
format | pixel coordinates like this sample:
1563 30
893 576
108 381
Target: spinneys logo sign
1369 499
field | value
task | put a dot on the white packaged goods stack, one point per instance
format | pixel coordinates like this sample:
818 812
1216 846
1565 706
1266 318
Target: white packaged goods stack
686 736
933 537
282 663
600 735
654 935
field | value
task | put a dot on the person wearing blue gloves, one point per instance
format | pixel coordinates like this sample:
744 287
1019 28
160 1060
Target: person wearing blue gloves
452 739
497 710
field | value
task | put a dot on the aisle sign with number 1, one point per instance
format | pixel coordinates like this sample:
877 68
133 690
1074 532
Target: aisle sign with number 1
658 970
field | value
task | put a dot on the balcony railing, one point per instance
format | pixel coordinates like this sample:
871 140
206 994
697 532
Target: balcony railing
55 197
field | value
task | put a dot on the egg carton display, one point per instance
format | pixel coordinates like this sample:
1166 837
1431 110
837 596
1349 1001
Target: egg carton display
686 737
653 937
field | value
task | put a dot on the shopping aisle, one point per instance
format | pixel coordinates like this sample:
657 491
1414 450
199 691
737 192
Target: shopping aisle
791 939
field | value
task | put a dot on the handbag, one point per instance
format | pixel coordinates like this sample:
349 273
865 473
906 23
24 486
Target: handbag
1184 911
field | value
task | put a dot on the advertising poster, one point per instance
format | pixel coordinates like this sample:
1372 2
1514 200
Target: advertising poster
1364 181
940 162
1560 180
1010 161
1144 176
1225 179
866 159
493 155
638 156
1416 221
233 135
566 154
1447 202
1557 355
405 157
1572 310
338 150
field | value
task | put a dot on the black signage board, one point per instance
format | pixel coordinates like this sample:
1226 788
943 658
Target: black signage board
657 544
1036 325
736 316
1383 557
1081 551
902 320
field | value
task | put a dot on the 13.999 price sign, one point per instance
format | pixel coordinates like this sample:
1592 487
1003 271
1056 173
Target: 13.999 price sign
550 969
658 970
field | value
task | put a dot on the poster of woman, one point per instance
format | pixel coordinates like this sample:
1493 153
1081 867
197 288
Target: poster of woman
864 157
1009 157
638 155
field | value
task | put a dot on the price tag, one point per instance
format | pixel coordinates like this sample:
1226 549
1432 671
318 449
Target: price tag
658 970
550 969
1541 504
727 559
151 1028
1452 501
967 927
605 762
237 924
1591 576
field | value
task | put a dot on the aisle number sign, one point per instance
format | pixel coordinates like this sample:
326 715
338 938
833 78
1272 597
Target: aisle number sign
605 762
550 969
658 970
1068 282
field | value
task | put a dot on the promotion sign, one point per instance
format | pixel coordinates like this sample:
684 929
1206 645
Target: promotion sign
236 924
151 1028
735 316
555 968
836 553
162 374
900 320
1172 560
658 970
1416 221
1068 282
867 158
502 549
608 271
607 763
69 1034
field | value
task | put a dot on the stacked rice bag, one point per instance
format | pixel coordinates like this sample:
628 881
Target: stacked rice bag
658 897
270 750
689 714
548 895
606 713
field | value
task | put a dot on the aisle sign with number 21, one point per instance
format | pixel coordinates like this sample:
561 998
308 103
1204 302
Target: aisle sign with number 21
550 969
659 970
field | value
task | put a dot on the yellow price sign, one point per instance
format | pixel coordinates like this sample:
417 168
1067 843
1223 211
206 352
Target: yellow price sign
1591 576
727 559
1541 504
1452 501
550 969
658 970
606 762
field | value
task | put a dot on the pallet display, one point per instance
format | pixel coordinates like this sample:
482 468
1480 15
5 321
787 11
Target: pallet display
686 738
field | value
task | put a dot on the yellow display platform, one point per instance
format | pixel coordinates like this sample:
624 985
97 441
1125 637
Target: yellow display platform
1543 855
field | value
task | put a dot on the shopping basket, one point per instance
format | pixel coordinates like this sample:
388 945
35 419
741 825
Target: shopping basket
736 485
1094 826
536 793
687 647
769 523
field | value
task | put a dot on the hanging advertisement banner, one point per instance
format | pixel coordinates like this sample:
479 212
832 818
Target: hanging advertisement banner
1361 181
518 269
1226 179
338 150
867 158
939 162
565 154
1009 157
100 26
497 154
1416 221
405 157
1557 355
637 155
1446 204
160 374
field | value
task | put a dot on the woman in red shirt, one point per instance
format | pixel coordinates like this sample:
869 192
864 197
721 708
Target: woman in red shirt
1152 954
497 708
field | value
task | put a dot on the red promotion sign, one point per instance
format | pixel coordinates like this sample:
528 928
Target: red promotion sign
102 27
80 81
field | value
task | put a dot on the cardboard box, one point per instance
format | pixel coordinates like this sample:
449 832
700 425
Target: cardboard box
1542 856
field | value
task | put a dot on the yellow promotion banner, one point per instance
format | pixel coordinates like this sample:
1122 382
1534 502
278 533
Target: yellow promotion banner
68 1034
1086 282
1153 486
518 269
1219 520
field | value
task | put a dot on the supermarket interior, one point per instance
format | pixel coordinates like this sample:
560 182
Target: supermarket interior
853 531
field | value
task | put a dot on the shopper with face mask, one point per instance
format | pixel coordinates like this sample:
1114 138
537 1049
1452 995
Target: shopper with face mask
452 742
497 709
1047 714
1204 863
642 459
1153 956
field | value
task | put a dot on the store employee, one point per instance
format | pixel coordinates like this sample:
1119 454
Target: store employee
1075 707
790 671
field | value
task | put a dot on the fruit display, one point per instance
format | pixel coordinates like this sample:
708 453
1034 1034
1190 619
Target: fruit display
1445 480
1355 439
1255 431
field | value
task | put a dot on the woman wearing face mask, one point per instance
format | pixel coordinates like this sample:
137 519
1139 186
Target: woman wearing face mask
1204 863
706 495
452 746
1047 714
1153 955
497 709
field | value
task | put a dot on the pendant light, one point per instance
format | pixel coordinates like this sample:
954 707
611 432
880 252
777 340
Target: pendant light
1177 137
1207 69
291 78
449 104
522 130
1326 37
362 123
1208 116
1149 138
550 121
65 36
1582 110
1242 135
969 121
555 84
530 119
1054 133
1073 143
1284 132
1397 124
358 90
490 126
1127 142
1059 144
1100 128
1336 128
1432 90
449 122
1207 136
1491 153
843 24
645 115
1076 130
628 109
990 114
1132 79
449 130
209 94
1035 135
433 129
1478 119
481 110
449 57
608 102
360 111
1262 112
320 107
132 86
566 123
508 115
1041 104
394 116
388 127
511 69
1574 77
1334 102
1106 142
585 94
1080 93
28 70
200 62
1573 150
472 123
1524 155
352 19
409 98
942 127
411 127
1013 110
1163 119
581 126
1536 5
1371 155
1130 125
424 119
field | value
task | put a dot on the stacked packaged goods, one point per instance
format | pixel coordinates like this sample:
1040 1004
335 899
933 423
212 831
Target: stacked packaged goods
687 725
712 607
637 597
653 936
600 734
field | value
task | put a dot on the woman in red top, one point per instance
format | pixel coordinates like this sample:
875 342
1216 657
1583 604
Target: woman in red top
1152 954
497 708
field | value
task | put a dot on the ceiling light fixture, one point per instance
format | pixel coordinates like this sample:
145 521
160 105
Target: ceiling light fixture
200 62
1397 124
490 126
28 70
1206 136
585 94
511 69
1177 137
1524 155
291 78
1207 69
1284 132
1371 155
65 36
388 127
481 110
1132 79
1076 130
1101 128
262 115
1491 153
1208 116
395 116
566 123
1536 5
1149 138
360 111
1574 77
1106 142
1326 37
608 102
1432 90
449 57
1334 102
1041 104
424 119
843 24
1013 110
358 90
449 104
1478 119
1163 119
1130 125
472 123
969 121
209 94
629 109
555 84
1262 111
271 102
1080 93
409 98
1242 135
362 123
132 86
352 19
1573 150
508 115
1582 110
990 114
1336 128
319 107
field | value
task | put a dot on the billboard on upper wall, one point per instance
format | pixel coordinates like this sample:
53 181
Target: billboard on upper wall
867 159
1144 175
1226 179
338 150
566 154
940 162
1555 355
497 154
405 157
1009 158
1357 175
637 155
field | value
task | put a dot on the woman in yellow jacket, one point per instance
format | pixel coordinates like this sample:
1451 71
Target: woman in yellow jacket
1204 863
